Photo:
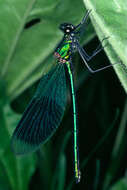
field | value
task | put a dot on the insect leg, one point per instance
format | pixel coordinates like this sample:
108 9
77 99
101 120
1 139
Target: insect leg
84 57
84 20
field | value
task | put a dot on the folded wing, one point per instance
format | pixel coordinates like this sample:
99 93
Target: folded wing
43 114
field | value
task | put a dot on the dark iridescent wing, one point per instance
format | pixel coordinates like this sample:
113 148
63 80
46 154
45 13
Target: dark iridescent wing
43 114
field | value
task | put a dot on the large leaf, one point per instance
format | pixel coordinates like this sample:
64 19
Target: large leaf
18 170
109 18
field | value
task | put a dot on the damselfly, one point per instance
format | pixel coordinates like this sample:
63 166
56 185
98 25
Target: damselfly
46 109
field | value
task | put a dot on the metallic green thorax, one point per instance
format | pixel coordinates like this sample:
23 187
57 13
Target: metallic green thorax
64 50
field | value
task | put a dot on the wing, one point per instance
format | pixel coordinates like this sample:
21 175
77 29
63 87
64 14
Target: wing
43 114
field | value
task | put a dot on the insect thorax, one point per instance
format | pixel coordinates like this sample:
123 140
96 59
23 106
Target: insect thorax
63 52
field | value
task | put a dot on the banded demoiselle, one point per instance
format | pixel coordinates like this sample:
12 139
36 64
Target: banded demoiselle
45 111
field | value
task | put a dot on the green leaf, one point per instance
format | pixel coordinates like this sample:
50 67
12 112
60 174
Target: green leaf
42 7
18 170
109 18
13 16
120 185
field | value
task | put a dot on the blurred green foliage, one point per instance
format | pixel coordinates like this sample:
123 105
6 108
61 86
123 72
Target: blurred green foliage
28 35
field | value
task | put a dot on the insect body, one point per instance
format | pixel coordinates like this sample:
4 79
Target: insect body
64 55
46 109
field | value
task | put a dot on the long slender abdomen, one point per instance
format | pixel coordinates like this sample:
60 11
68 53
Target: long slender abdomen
76 153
